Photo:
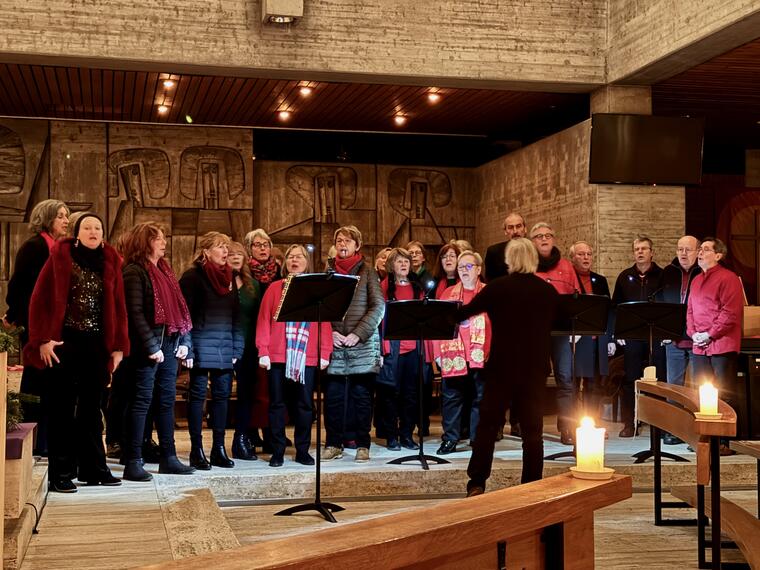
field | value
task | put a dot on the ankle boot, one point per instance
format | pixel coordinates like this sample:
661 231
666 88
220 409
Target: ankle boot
219 457
198 459
173 466
241 448
134 471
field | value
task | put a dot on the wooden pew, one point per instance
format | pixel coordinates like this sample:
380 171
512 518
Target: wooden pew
545 524
671 408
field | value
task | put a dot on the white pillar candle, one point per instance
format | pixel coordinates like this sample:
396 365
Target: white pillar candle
589 446
650 373
708 399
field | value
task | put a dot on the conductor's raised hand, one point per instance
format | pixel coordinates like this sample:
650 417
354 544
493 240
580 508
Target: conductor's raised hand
47 352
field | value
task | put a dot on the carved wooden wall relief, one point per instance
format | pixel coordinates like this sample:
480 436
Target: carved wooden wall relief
12 166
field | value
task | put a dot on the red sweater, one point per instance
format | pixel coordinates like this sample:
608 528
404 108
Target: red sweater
716 306
270 334
404 293
562 277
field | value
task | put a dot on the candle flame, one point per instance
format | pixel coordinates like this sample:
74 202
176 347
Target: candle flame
587 422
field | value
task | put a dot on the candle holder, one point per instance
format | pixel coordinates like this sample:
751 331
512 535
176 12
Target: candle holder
708 417
605 473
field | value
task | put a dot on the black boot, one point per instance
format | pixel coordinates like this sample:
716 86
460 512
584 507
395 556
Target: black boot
151 452
172 466
134 471
198 459
241 448
219 457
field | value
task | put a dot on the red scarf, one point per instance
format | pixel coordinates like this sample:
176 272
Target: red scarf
169 304
49 240
220 277
344 265
265 272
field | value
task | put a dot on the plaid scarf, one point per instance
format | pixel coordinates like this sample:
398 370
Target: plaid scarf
264 272
296 339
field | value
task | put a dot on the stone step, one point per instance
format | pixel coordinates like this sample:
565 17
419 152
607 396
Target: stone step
18 531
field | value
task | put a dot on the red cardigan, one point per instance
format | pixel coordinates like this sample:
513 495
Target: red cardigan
270 334
50 298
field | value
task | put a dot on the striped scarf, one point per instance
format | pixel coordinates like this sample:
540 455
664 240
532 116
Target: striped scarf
296 340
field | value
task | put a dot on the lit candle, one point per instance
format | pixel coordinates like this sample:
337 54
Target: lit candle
650 373
589 446
708 399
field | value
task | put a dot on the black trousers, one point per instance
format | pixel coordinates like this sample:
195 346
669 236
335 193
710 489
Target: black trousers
527 392
282 390
401 408
76 385
359 388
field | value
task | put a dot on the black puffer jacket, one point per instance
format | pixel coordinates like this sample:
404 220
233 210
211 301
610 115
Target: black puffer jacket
217 334
30 259
145 337
362 319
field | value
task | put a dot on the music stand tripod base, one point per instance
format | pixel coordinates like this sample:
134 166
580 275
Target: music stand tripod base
422 458
560 455
324 509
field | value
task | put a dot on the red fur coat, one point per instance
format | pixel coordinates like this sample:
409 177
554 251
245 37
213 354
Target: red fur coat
48 305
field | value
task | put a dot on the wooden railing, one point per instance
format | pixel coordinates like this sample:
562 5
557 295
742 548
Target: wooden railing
671 408
545 524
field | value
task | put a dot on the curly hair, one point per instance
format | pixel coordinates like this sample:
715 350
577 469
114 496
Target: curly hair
44 214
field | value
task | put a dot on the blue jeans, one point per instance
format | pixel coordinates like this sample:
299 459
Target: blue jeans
566 391
221 386
159 381
359 391
282 389
678 360
454 393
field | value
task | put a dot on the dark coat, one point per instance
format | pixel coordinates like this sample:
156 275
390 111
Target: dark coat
670 289
591 354
494 261
47 309
629 287
217 336
522 308
363 319
30 259
144 336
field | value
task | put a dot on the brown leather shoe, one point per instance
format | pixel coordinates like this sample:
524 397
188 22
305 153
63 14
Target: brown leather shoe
726 451
475 490
627 431
566 437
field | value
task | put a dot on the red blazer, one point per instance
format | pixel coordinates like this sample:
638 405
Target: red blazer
270 334
51 294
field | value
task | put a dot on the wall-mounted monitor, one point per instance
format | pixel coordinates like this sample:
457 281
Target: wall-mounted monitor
644 149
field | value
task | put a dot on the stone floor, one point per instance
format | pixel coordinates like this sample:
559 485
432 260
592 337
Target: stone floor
173 517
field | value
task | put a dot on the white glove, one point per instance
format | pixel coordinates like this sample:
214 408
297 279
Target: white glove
665 341
234 361
323 363
264 362
700 338
157 356
611 348
182 352
382 361
621 342
187 363
574 338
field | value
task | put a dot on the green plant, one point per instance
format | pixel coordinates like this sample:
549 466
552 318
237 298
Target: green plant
9 339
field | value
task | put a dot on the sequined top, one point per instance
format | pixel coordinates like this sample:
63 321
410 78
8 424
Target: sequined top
84 310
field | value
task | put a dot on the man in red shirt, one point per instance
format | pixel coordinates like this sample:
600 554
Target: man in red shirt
714 322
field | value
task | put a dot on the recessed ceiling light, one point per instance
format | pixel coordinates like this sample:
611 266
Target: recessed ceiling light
399 120
168 83
434 97
305 91
162 109
283 115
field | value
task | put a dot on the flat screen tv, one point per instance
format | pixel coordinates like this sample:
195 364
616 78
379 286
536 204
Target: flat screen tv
644 149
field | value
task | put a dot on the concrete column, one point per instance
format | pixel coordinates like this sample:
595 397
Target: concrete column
622 99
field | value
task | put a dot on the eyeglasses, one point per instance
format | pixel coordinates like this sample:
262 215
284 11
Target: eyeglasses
415 253
467 266
542 236
450 255
261 245
342 241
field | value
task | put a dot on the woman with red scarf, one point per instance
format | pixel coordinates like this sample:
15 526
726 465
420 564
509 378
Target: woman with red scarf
159 332
461 360
217 342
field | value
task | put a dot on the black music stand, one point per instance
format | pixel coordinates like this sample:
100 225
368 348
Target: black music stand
426 319
579 315
316 297
642 320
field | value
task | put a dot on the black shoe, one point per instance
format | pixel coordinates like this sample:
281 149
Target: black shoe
447 447
515 430
219 457
113 450
134 471
304 458
105 479
198 459
474 490
393 444
255 439
276 460
241 449
173 466
62 486
151 452
670 439
408 443
288 442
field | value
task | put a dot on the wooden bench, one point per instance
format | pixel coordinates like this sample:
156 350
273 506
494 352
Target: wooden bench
671 408
751 448
544 524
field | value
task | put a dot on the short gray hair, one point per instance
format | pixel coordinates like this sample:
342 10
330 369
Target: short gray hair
253 234
540 225
43 215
